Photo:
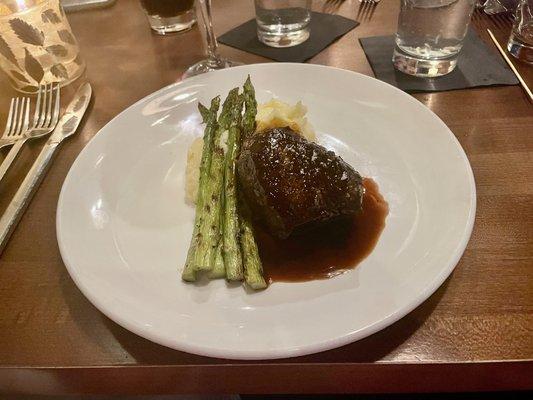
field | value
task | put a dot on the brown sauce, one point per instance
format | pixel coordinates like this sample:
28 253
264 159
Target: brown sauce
328 251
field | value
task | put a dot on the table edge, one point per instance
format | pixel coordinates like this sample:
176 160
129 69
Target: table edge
271 378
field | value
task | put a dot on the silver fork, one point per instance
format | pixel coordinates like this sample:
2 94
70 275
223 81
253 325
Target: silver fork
45 119
18 120
366 10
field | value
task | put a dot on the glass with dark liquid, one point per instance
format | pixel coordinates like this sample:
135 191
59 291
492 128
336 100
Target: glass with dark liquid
169 16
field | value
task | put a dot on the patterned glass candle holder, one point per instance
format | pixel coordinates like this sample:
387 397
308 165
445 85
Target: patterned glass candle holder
37 45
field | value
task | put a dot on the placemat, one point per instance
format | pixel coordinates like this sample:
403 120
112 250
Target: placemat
325 28
478 65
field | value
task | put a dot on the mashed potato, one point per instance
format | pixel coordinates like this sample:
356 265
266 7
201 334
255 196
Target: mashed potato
278 114
272 114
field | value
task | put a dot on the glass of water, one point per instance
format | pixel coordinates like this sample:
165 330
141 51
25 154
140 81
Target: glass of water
283 23
521 41
430 35
37 45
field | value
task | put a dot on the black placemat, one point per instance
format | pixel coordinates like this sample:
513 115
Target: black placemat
325 28
478 65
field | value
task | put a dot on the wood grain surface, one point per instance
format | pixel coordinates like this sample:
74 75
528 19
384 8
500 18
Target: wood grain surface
474 333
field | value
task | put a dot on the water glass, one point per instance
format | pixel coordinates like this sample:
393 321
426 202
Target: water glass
169 16
520 43
283 23
430 35
37 45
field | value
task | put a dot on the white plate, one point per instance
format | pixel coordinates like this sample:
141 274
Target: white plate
123 226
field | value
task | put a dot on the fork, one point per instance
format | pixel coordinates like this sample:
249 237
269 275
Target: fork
17 121
366 9
45 119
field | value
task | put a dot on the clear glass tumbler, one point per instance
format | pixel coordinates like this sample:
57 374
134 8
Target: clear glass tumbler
430 35
37 45
520 43
283 23
169 16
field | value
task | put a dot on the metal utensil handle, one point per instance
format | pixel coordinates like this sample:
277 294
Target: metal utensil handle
10 157
20 201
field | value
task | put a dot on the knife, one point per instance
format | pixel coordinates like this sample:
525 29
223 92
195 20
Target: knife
66 127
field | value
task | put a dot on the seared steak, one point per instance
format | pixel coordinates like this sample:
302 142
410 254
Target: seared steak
292 184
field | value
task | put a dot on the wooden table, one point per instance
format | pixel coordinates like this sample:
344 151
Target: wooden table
474 333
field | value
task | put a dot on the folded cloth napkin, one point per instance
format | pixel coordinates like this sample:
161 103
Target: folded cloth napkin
324 28
478 65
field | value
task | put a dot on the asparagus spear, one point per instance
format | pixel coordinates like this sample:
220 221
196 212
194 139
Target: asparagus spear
206 112
210 119
219 267
209 230
228 256
253 269
231 223
248 121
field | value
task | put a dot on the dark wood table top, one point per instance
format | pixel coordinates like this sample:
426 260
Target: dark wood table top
474 333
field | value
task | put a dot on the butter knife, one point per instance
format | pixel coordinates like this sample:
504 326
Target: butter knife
66 127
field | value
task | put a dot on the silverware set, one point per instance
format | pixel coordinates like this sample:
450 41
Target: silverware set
18 130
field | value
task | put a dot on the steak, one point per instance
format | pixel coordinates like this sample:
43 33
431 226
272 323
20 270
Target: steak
292 184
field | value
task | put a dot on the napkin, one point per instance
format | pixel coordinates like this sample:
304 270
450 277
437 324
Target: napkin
478 65
325 28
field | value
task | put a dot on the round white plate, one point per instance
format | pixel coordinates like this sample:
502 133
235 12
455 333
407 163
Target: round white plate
124 229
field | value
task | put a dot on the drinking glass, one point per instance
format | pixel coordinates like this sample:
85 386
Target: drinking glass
491 7
169 16
37 45
283 23
520 42
213 61
430 35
